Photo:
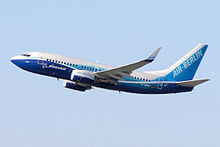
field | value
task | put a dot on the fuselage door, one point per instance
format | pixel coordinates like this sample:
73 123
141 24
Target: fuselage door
42 62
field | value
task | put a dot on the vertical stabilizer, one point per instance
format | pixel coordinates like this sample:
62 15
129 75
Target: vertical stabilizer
186 67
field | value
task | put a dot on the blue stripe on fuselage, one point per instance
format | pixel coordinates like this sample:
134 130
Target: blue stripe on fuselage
48 68
152 88
44 67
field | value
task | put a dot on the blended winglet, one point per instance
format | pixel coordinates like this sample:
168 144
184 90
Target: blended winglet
192 83
153 55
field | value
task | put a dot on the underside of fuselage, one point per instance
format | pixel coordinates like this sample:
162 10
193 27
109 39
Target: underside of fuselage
146 88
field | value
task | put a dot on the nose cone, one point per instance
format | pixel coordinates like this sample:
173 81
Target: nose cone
15 60
20 62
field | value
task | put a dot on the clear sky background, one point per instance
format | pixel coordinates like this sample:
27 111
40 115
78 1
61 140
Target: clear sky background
37 110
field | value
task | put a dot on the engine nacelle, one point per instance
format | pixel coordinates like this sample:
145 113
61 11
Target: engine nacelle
82 76
74 86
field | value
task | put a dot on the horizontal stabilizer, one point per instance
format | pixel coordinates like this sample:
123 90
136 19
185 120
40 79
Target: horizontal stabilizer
192 83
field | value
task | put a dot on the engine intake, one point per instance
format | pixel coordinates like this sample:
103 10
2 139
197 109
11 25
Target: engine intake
85 77
74 86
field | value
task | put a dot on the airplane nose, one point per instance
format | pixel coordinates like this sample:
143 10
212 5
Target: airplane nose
20 62
13 59
17 61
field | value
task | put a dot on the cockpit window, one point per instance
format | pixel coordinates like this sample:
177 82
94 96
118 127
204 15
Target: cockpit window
26 54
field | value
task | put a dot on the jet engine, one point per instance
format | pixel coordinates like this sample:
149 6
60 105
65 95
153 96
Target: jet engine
82 76
74 86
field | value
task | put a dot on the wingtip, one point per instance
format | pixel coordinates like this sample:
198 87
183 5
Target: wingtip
153 55
156 52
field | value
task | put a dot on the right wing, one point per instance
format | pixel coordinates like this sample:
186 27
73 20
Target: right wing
119 73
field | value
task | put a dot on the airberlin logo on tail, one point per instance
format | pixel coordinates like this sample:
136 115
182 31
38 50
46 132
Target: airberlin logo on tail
187 63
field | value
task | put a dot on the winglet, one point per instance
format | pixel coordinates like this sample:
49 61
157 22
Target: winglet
153 56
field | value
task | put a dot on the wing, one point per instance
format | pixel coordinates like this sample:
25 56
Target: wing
119 73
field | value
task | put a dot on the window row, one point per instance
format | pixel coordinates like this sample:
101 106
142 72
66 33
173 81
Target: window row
66 63
61 62
88 68
141 79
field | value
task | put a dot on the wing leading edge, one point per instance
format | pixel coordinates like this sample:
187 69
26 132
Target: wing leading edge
119 73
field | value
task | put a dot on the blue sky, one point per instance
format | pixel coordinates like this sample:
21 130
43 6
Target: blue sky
37 110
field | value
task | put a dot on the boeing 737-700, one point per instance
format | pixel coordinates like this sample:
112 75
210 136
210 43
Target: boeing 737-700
83 75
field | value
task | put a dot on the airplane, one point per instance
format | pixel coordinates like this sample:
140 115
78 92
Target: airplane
82 75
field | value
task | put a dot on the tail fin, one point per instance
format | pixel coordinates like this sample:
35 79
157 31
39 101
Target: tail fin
186 67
